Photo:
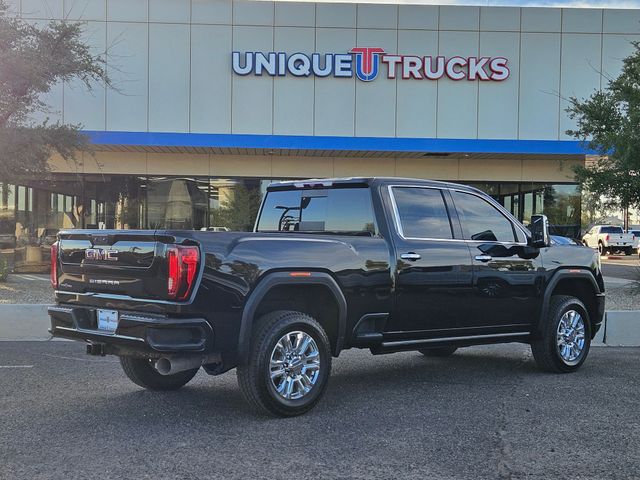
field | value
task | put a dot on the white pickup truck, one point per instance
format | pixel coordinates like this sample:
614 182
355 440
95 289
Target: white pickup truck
609 239
636 239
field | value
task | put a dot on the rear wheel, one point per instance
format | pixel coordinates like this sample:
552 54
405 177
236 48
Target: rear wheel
142 372
601 250
288 366
438 352
566 336
628 251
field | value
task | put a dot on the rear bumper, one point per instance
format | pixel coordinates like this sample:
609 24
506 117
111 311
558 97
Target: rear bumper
137 333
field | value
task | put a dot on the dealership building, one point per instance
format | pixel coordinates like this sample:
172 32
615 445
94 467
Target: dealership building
214 99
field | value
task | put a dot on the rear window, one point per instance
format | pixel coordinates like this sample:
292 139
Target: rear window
337 210
611 230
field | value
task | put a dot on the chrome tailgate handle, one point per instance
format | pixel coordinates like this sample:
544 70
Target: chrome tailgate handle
411 256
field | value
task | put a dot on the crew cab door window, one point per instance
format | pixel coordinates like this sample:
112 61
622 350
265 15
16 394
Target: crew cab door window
482 221
422 213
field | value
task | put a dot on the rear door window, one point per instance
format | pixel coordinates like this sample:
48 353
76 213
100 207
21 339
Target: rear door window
422 213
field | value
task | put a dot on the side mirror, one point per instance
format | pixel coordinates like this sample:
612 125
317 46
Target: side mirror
539 228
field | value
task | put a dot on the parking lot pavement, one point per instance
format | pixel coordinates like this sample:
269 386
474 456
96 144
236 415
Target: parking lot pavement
624 268
486 412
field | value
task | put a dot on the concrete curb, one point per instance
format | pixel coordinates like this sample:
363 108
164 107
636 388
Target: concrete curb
27 322
622 328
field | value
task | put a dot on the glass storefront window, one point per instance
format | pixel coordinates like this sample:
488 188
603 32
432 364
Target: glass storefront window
22 199
560 202
31 214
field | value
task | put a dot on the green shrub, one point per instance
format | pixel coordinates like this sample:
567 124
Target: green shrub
4 269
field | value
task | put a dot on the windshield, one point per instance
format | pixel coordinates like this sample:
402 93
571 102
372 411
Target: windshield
337 210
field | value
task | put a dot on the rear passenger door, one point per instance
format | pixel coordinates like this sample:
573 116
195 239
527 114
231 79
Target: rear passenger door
507 274
433 269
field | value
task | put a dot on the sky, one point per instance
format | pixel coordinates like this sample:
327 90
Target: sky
528 3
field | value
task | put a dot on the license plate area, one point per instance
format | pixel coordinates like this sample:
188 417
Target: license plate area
107 320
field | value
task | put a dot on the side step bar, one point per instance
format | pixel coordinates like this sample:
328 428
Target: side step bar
414 344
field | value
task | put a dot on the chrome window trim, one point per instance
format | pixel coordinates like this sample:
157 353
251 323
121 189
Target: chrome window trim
398 226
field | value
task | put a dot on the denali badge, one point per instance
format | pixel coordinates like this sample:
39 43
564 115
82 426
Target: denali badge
100 254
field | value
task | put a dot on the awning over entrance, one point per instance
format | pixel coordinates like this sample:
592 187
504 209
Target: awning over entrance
286 145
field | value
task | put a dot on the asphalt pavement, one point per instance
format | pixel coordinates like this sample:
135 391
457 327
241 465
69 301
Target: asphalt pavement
484 413
627 268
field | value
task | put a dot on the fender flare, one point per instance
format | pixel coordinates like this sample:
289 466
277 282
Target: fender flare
274 279
573 274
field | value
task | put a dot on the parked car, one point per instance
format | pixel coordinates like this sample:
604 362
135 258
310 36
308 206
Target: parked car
7 240
214 229
636 239
385 264
609 239
560 240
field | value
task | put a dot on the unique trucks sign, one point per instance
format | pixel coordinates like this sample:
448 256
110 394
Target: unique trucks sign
366 63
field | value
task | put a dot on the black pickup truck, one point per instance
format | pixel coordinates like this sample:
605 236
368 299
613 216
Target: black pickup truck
387 264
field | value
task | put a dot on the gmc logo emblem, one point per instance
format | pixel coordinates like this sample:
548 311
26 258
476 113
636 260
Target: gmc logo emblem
100 254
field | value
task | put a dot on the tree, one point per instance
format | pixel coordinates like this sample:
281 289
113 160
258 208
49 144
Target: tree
32 60
609 122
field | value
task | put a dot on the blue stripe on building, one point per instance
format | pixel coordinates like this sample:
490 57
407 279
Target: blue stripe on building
299 142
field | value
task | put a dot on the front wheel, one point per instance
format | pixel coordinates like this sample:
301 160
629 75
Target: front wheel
566 336
142 372
288 365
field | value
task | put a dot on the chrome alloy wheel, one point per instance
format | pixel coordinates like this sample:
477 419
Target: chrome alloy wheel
570 338
294 365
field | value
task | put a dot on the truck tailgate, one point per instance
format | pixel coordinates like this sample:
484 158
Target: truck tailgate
620 239
124 262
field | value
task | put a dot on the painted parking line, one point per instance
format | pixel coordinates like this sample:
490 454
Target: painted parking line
16 366
25 276
618 281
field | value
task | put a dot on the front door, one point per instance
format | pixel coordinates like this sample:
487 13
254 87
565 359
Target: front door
433 270
507 274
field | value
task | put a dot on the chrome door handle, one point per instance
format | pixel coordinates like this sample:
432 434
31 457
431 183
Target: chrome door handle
411 256
484 258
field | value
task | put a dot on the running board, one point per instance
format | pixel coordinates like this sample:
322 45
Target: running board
414 344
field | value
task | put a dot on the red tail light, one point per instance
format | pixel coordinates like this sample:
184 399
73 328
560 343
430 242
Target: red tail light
54 265
183 266
607 238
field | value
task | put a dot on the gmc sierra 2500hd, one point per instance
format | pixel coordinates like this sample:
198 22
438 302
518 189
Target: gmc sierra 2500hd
387 264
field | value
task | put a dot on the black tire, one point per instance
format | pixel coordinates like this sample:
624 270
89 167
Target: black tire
141 372
628 251
545 349
601 250
254 376
438 352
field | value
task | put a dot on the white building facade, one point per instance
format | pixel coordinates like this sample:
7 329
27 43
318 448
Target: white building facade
469 94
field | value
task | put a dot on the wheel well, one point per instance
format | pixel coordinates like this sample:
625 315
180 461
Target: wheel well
582 289
315 300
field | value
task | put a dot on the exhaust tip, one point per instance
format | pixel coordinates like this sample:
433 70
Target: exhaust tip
163 366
